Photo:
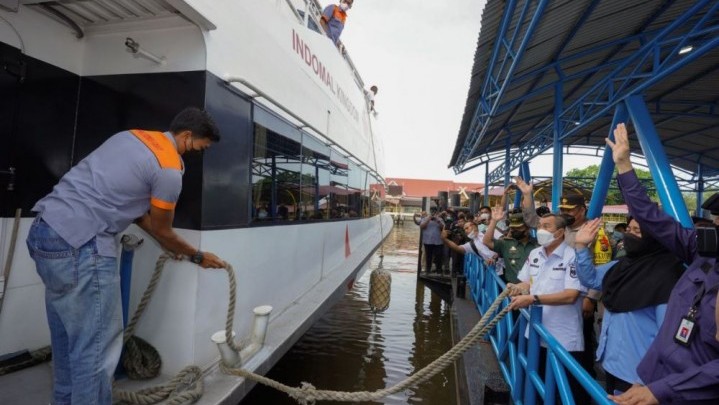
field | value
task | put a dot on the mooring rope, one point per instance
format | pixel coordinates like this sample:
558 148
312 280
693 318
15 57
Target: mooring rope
141 360
308 394
188 384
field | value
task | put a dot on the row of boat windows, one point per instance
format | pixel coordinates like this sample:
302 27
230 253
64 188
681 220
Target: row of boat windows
305 180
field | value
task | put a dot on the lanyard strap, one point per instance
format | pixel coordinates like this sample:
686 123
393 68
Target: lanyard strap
701 293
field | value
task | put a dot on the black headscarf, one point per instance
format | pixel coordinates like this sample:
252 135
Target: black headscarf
644 278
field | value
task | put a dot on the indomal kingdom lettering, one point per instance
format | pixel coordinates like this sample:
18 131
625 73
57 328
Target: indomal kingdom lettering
306 54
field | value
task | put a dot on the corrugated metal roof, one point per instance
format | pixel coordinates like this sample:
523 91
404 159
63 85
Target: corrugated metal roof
568 28
94 14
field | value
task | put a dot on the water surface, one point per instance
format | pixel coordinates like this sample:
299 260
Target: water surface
351 349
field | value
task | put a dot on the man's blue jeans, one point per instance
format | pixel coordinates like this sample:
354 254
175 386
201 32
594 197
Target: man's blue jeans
82 299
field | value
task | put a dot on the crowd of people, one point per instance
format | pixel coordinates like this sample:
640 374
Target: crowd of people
655 302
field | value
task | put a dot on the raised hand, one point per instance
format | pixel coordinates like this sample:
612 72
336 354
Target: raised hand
587 232
497 213
620 148
524 187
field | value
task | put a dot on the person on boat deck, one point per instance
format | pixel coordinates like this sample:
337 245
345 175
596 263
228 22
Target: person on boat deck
682 364
370 96
134 176
333 19
635 290
474 246
550 276
514 249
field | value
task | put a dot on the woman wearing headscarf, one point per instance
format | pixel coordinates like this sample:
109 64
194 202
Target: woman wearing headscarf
635 291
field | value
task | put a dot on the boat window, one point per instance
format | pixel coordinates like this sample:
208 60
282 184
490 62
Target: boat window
301 178
276 176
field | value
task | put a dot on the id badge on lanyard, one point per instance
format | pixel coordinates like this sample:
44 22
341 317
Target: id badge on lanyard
688 326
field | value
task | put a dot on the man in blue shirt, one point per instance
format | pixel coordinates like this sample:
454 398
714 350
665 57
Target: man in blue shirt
682 364
135 175
333 19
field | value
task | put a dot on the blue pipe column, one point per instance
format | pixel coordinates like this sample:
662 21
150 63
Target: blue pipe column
557 157
700 190
507 161
669 194
535 318
486 185
606 170
130 242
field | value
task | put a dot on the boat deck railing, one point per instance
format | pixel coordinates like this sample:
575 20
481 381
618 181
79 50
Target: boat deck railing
309 16
518 356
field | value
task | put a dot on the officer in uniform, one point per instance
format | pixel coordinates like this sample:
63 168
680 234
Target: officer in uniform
515 248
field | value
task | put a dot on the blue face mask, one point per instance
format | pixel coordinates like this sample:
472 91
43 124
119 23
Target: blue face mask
617 235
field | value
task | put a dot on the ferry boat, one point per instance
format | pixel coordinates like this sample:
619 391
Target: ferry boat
286 196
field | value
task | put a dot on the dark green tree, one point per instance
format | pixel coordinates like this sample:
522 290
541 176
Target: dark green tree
588 175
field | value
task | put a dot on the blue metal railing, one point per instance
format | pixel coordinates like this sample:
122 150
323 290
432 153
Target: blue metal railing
518 356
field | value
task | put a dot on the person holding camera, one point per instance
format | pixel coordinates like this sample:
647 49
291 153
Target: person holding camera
682 363
473 246
432 227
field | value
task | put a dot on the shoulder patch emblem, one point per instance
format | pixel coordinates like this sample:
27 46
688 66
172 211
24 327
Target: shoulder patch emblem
573 270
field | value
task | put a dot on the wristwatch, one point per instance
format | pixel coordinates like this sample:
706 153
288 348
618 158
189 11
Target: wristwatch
536 300
197 258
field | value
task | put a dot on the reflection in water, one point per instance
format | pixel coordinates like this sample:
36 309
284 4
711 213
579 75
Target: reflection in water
351 349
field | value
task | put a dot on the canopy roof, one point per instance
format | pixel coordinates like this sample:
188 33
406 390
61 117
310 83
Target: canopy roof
585 57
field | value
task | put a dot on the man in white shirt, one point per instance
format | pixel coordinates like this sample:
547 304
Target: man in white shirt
474 246
550 276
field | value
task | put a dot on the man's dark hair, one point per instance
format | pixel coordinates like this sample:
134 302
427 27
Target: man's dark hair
621 226
198 121
485 206
542 210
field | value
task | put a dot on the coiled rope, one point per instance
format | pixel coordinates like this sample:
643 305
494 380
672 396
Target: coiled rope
141 360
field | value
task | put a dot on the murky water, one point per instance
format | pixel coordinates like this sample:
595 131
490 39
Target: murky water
350 349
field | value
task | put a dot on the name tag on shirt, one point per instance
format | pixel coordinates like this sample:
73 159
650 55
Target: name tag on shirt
685 332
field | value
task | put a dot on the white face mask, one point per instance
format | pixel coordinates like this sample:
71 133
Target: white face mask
544 237
472 235
344 6
484 216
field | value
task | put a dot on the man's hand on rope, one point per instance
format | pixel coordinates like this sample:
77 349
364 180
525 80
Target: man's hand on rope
212 261
521 301
515 289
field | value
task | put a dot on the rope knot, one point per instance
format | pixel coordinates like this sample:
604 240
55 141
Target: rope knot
306 395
